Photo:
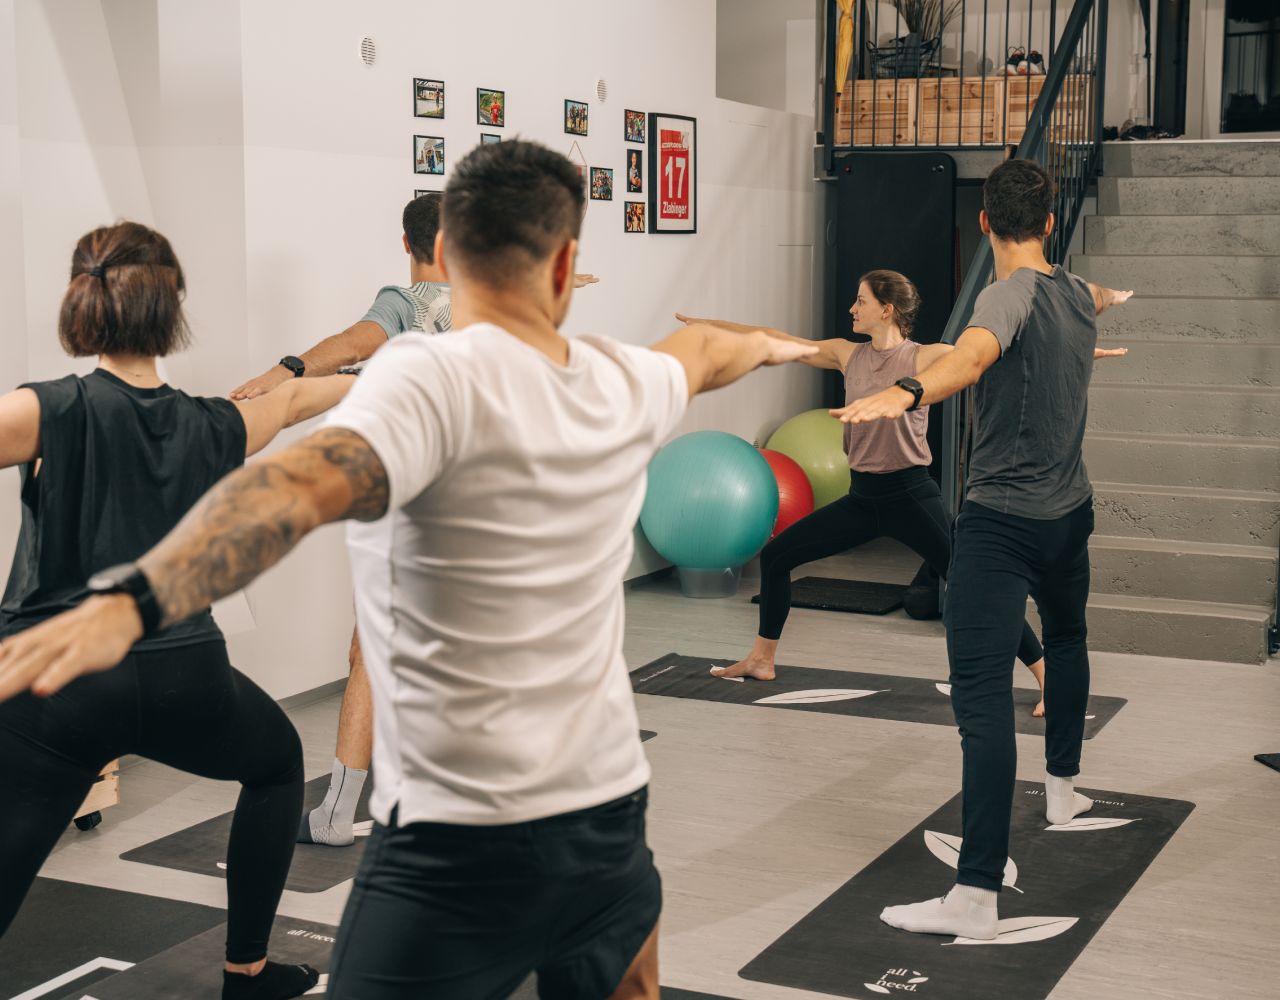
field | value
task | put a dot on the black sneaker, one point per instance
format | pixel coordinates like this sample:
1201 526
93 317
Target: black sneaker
1015 65
1035 63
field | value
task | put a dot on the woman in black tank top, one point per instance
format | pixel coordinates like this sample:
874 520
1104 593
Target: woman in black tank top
110 462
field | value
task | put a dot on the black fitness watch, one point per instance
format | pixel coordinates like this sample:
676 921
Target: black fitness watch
295 365
127 578
913 387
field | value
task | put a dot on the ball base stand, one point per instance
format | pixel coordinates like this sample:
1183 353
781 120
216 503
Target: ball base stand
709 583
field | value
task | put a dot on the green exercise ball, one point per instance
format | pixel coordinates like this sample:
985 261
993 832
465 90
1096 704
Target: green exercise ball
711 503
815 440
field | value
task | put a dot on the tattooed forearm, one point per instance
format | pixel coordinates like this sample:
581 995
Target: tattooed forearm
255 516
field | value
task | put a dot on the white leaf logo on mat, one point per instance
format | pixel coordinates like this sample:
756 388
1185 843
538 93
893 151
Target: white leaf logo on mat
1091 823
874 988
946 849
944 688
817 696
919 979
1023 930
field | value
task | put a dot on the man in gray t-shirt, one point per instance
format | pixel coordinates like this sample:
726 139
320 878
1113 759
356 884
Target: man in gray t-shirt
1023 531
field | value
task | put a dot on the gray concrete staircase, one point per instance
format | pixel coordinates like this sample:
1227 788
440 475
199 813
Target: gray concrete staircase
1183 441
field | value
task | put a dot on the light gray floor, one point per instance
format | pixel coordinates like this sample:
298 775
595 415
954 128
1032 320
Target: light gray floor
758 815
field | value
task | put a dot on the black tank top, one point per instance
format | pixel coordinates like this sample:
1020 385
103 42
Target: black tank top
119 467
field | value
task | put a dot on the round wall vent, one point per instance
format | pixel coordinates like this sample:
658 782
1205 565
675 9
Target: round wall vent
368 51
602 91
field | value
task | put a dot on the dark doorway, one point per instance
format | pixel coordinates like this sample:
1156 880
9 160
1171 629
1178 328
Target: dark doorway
1173 23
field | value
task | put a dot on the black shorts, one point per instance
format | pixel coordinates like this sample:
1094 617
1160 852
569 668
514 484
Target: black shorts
468 912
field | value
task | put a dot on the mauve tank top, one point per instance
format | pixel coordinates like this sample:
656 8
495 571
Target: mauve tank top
884 445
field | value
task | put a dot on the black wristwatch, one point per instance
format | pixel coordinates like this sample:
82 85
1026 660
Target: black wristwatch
127 578
913 387
295 365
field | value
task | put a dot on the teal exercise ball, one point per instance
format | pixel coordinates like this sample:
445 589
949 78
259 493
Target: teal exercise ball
815 441
711 503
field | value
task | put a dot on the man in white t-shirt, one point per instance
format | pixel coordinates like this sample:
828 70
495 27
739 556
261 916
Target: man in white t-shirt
505 469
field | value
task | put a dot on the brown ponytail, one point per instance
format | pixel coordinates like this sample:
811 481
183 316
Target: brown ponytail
125 295
894 289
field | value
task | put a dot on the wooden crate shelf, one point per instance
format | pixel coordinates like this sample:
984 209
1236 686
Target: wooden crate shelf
955 112
958 111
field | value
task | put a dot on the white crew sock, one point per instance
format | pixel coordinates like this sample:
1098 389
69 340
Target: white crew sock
966 911
332 823
1062 802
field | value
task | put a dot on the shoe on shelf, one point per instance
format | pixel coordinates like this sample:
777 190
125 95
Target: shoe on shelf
1035 63
1016 64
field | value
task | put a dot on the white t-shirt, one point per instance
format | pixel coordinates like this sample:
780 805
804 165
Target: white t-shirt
490 606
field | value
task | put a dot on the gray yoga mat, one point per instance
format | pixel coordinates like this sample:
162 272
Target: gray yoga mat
841 692
203 848
68 937
824 593
1061 886
192 970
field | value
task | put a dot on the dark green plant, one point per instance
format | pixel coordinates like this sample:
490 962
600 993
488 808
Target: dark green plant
927 18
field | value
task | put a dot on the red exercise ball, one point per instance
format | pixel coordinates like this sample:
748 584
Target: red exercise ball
795 493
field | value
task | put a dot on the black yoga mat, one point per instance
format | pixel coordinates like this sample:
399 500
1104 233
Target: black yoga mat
825 593
840 692
529 991
1272 760
646 735
203 848
68 936
1070 881
192 970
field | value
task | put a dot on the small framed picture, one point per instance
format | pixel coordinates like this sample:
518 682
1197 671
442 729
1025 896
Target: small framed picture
428 154
633 216
428 98
491 107
673 174
419 192
575 117
602 184
489 138
634 126
635 171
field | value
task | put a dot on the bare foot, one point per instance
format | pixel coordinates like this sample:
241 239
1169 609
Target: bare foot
759 670
1038 711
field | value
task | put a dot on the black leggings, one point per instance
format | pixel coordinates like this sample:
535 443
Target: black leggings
185 707
904 505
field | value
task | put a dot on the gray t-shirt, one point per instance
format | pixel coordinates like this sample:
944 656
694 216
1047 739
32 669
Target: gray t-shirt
425 307
1032 403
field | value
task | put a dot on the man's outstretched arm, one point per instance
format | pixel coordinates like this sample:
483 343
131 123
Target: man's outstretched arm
242 527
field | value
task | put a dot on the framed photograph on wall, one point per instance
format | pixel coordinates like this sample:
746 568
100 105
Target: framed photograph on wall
635 171
489 138
673 174
428 154
491 107
602 184
428 98
634 126
633 216
575 117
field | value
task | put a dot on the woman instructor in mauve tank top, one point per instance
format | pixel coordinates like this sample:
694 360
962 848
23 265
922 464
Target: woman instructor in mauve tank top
890 490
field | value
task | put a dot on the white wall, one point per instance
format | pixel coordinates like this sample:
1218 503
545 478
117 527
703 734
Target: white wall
278 164
13 340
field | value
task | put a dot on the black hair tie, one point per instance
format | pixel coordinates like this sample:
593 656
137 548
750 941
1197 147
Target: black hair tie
99 272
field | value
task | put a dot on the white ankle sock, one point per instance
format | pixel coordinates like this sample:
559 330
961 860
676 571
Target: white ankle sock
966 911
332 823
1062 802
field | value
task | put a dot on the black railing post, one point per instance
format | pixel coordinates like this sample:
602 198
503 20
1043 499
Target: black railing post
1100 76
829 98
